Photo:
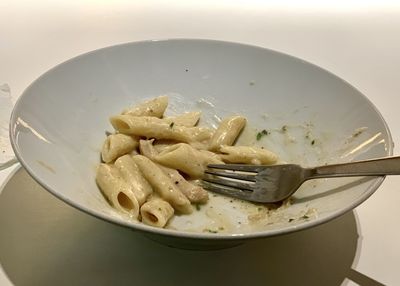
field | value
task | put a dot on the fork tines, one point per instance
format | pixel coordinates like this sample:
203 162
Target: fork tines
231 179
237 167
229 191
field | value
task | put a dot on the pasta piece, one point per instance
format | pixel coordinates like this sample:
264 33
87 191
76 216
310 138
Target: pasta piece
161 145
194 193
199 145
156 212
247 155
186 159
152 127
153 107
147 149
188 119
134 178
117 145
162 184
116 190
227 132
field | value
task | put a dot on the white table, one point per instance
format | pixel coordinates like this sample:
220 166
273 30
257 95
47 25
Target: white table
45 242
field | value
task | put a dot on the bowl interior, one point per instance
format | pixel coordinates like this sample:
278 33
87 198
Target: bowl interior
59 123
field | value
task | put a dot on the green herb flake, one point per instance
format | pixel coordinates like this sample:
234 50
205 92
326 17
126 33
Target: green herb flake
212 231
261 134
305 217
358 133
221 228
291 219
171 124
284 128
197 207
313 142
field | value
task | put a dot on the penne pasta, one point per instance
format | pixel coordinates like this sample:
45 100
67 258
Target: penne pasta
194 193
152 127
162 184
188 119
116 190
134 178
153 107
160 145
186 159
247 155
156 212
152 161
147 149
117 145
227 132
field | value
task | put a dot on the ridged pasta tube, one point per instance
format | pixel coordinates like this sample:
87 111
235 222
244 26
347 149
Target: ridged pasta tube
162 184
116 190
227 132
117 145
156 212
153 107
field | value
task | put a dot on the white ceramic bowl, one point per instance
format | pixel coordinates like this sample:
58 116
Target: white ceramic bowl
59 124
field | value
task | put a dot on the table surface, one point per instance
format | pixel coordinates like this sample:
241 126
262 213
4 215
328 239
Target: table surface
45 242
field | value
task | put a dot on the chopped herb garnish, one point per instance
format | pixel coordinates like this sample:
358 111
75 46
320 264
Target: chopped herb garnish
171 124
358 133
212 231
221 228
305 217
259 209
197 207
176 182
291 219
313 142
284 128
261 134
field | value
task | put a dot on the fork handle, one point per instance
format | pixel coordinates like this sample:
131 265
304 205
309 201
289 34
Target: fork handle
374 167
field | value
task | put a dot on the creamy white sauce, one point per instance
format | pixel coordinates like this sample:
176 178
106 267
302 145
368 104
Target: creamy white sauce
301 143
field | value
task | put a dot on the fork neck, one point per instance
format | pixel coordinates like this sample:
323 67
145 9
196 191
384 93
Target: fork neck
375 167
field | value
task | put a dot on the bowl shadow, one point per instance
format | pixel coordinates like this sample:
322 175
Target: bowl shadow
46 242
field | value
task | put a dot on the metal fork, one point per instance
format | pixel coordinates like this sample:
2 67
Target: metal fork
274 183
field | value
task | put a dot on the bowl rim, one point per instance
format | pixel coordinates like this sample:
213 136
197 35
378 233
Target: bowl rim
377 181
